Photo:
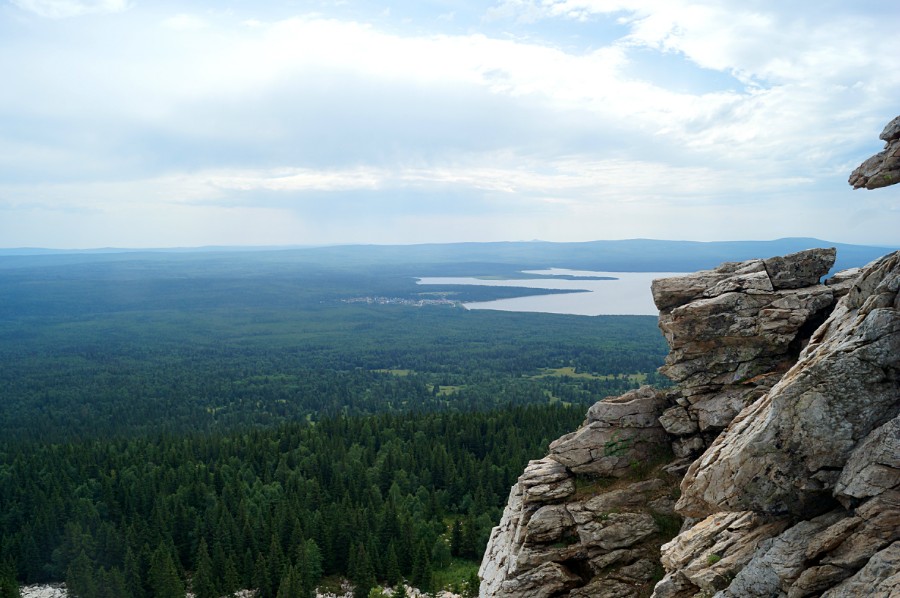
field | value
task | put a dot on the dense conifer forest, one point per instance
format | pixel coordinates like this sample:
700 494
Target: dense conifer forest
237 424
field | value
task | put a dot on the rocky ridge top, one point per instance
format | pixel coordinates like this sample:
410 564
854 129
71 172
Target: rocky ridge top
588 520
772 469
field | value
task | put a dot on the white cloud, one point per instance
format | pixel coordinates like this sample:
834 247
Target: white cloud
185 22
59 9
275 117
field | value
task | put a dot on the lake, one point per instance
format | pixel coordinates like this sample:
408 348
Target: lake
621 293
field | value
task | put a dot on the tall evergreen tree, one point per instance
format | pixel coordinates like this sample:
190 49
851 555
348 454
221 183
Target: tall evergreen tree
80 579
261 581
132 574
203 583
392 568
112 584
362 576
291 585
9 586
164 579
421 573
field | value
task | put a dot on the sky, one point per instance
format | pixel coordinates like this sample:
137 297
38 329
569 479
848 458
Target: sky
130 123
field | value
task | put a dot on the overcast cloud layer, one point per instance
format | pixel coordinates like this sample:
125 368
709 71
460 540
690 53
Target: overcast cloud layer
146 124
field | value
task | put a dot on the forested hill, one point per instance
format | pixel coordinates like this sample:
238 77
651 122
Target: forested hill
252 413
164 415
631 255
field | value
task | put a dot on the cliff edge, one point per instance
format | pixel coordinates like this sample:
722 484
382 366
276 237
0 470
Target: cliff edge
771 469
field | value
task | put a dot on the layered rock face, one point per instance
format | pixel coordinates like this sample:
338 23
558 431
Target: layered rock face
816 461
790 389
580 519
733 332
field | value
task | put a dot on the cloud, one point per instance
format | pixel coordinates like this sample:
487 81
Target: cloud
60 9
185 22
350 127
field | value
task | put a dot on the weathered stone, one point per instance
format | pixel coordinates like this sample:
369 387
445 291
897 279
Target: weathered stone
662 505
632 495
541 582
798 433
882 169
640 571
779 561
801 269
617 530
723 330
675 585
832 537
891 131
549 524
715 411
815 579
688 447
783 452
635 409
500 556
618 432
604 588
874 465
678 290
676 420
605 560
880 578
713 550
879 527
841 282
546 480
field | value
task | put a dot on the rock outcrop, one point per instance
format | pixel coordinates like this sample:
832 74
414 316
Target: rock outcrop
588 519
883 168
733 332
790 389
783 429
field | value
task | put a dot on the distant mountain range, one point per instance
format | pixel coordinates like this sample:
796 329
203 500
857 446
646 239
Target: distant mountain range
632 255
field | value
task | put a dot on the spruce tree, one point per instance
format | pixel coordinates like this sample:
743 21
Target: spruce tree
9 586
133 575
290 586
204 582
363 574
261 580
164 580
421 573
80 578
112 584
392 569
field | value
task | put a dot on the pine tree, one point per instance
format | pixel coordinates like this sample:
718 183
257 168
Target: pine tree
421 573
310 567
290 586
112 584
9 586
231 581
261 578
164 580
133 575
456 538
80 578
204 582
392 569
472 586
400 591
362 576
